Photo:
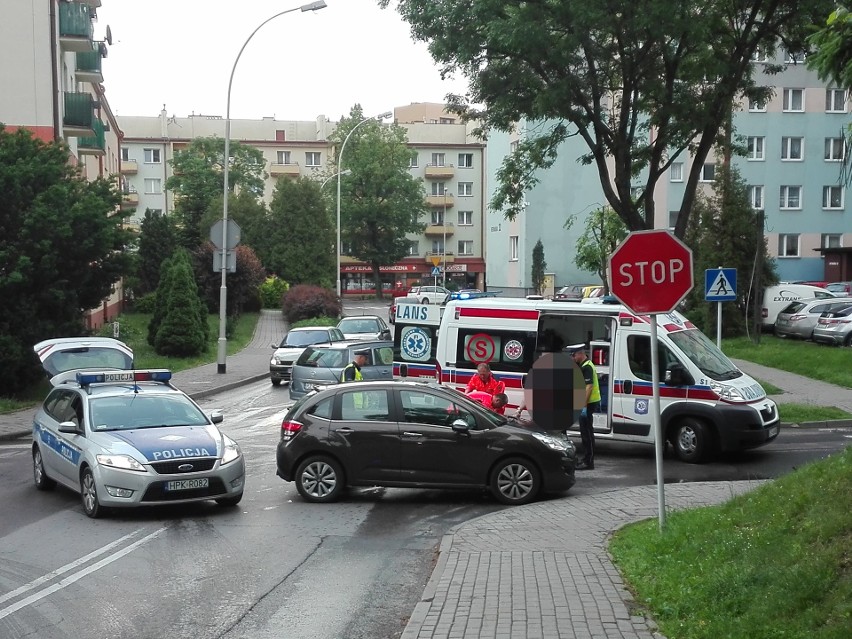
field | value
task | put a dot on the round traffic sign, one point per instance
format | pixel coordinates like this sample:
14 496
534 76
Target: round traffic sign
650 271
480 348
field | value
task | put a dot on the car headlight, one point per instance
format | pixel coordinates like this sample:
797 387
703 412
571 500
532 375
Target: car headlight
231 451
124 462
554 443
727 393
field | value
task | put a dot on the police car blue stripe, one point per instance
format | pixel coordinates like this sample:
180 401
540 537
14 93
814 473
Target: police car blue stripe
176 442
66 452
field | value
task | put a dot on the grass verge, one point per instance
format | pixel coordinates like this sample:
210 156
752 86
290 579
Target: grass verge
826 363
774 563
799 413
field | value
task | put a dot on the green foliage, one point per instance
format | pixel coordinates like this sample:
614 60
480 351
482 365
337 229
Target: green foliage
305 301
832 49
726 231
538 268
62 248
242 286
801 413
603 233
771 563
146 303
380 201
183 330
639 83
198 180
157 241
160 297
272 292
301 234
316 321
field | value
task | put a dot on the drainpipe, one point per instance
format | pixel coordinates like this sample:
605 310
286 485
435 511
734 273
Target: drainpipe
54 74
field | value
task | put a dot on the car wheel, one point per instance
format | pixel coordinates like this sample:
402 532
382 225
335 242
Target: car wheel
89 495
229 502
276 382
848 341
319 480
425 300
692 440
515 481
42 481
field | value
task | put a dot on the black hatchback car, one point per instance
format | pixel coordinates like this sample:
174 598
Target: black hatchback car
415 435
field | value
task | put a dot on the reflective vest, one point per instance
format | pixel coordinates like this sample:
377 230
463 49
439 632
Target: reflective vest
358 376
596 389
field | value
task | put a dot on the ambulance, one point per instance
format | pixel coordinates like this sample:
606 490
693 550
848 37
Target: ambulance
707 404
415 340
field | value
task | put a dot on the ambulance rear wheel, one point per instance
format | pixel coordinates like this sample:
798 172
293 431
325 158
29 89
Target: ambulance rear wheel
692 440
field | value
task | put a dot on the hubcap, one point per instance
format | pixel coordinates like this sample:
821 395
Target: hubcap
38 471
90 496
319 479
515 481
687 440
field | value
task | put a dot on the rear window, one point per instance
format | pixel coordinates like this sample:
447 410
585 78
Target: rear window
323 358
86 357
793 307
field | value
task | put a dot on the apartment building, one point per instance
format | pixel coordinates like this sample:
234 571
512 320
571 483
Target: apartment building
52 85
449 161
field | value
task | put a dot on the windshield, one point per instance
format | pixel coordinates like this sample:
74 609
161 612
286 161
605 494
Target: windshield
87 357
356 325
304 338
323 358
144 411
704 354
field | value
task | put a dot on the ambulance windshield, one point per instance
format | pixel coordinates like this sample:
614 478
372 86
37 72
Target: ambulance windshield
704 354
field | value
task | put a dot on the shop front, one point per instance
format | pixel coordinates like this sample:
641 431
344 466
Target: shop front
357 279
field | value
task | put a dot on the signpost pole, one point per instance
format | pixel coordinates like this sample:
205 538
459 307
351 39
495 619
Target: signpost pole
719 325
656 423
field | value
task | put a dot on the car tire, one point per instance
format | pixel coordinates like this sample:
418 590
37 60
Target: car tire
229 502
515 481
425 300
89 495
319 479
692 440
42 481
276 382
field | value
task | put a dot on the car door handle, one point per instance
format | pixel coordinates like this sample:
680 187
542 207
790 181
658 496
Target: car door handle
408 433
345 430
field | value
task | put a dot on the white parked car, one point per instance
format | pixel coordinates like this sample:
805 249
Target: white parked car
429 294
364 327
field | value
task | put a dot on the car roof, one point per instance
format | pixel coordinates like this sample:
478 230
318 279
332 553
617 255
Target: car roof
311 328
348 343
355 317
72 379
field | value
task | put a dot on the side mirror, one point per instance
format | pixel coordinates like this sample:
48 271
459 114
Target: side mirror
216 417
274 346
460 426
69 427
677 375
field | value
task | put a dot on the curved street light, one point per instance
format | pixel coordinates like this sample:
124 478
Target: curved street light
331 177
222 345
379 117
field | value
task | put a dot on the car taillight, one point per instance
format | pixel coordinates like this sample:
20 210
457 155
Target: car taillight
764 312
289 428
796 318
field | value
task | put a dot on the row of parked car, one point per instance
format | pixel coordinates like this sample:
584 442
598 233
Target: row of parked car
823 320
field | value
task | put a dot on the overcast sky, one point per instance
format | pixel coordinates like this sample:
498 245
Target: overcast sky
180 53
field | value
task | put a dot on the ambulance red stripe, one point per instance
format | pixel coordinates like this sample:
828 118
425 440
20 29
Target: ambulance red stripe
498 313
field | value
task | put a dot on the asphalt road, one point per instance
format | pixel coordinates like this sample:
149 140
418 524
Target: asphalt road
275 566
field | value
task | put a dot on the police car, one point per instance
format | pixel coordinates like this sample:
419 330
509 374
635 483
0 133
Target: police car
130 438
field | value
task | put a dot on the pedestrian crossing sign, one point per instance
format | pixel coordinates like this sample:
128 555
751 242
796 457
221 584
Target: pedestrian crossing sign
436 270
720 284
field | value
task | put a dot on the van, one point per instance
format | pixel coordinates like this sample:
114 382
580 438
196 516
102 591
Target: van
776 298
707 403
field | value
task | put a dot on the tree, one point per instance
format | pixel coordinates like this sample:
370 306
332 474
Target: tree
726 231
183 331
380 201
640 83
198 179
603 233
832 57
62 248
161 295
303 234
157 242
538 268
243 285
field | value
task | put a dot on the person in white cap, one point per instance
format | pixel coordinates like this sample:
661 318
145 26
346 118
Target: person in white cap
592 404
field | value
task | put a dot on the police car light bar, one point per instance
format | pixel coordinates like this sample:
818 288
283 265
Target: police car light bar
113 377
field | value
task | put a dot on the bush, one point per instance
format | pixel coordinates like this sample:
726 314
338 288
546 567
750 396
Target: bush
272 292
183 330
316 321
146 303
305 301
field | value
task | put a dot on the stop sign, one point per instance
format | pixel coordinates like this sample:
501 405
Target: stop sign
650 271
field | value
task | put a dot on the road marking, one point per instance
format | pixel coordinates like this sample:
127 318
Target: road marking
5 612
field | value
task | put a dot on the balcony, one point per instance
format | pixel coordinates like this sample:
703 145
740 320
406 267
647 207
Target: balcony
440 229
129 198
93 145
437 171
438 201
447 258
89 66
92 3
79 118
290 170
75 26
129 167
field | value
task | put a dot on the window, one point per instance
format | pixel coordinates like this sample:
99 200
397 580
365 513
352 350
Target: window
791 148
283 157
835 100
152 156
364 405
414 248
413 161
465 247
466 189
465 218
152 185
708 173
437 217
419 407
795 57
514 145
438 159
673 218
466 160
125 154
755 148
312 158
791 197
438 247
513 248
639 357
677 172
438 188
832 197
759 55
831 240
788 245
757 106
794 100
835 149
755 196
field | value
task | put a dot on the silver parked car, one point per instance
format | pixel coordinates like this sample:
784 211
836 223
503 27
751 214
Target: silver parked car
799 318
364 327
322 365
835 327
294 342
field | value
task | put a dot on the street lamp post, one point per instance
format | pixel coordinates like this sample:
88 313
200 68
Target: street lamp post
222 351
330 178
340 172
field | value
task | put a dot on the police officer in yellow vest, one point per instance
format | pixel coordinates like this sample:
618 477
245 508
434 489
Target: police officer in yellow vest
352 372
592 405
